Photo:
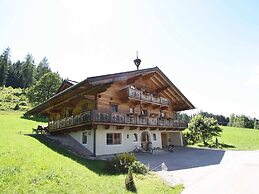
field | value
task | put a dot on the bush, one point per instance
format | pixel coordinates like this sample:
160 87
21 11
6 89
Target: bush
139 167
17 107
121 163
8 98
23 104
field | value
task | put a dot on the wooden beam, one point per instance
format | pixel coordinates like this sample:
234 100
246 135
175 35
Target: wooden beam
148 75
161 129
133 79
143 128
119 127
133 127
89 97
162 89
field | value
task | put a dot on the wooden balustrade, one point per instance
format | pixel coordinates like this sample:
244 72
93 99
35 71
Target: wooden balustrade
139 95
114 118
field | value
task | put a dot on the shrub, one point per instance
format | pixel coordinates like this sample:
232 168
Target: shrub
23 104
8 98
121 162
17 107
139 167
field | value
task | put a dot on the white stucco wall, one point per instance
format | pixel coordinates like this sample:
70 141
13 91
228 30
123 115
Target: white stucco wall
127 144
176 138
90 138
127 136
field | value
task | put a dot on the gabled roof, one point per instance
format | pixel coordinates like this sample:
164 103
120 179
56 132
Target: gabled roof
66 84
95 83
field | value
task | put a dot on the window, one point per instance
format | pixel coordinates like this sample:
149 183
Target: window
131 110
114 107
84 138
70 112
113 138
144 112
154 137
135 137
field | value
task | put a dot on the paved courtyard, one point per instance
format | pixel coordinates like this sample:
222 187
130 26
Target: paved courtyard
208 171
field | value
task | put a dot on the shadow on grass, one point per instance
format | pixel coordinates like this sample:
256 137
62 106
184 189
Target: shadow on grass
97 166
132 188
35 118
223 145
219 146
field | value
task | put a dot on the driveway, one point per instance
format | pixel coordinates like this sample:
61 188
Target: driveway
208 171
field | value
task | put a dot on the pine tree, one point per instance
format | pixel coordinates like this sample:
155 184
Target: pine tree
14 75
4 65
42 68
28 71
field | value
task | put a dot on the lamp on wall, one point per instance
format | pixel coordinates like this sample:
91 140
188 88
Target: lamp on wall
89 132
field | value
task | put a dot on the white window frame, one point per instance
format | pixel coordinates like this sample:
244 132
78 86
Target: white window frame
154 135
113 139
135 140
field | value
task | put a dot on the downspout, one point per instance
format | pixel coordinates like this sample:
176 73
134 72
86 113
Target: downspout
94 146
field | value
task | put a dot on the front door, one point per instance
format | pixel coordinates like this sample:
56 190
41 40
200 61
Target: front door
144 140
164 139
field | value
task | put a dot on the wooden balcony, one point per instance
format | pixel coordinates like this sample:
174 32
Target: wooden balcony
147 97
108 118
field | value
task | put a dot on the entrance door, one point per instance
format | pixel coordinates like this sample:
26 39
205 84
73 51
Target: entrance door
164 139
144 139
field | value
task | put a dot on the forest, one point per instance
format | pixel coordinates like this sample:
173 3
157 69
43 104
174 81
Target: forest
38 80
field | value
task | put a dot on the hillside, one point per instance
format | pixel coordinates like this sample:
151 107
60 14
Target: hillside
239 138
30 166
13 98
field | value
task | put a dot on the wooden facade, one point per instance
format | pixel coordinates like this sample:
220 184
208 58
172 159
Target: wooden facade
143 98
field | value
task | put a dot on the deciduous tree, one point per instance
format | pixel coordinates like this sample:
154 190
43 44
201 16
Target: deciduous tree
45 88
203 128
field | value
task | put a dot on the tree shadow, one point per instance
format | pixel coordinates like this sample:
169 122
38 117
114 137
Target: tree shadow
224 145
38 118
133 188
97 166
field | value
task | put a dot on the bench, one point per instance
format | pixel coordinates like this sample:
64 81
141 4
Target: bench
40 130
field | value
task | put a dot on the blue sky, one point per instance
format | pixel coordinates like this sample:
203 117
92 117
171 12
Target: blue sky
209 49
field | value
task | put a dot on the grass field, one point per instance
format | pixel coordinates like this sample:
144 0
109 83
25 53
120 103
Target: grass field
239 138
28 166
233 138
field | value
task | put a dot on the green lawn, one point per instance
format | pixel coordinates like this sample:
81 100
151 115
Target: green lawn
233 138
239 138
29 166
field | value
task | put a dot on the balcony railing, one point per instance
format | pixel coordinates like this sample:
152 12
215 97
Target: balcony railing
114 118
139 95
